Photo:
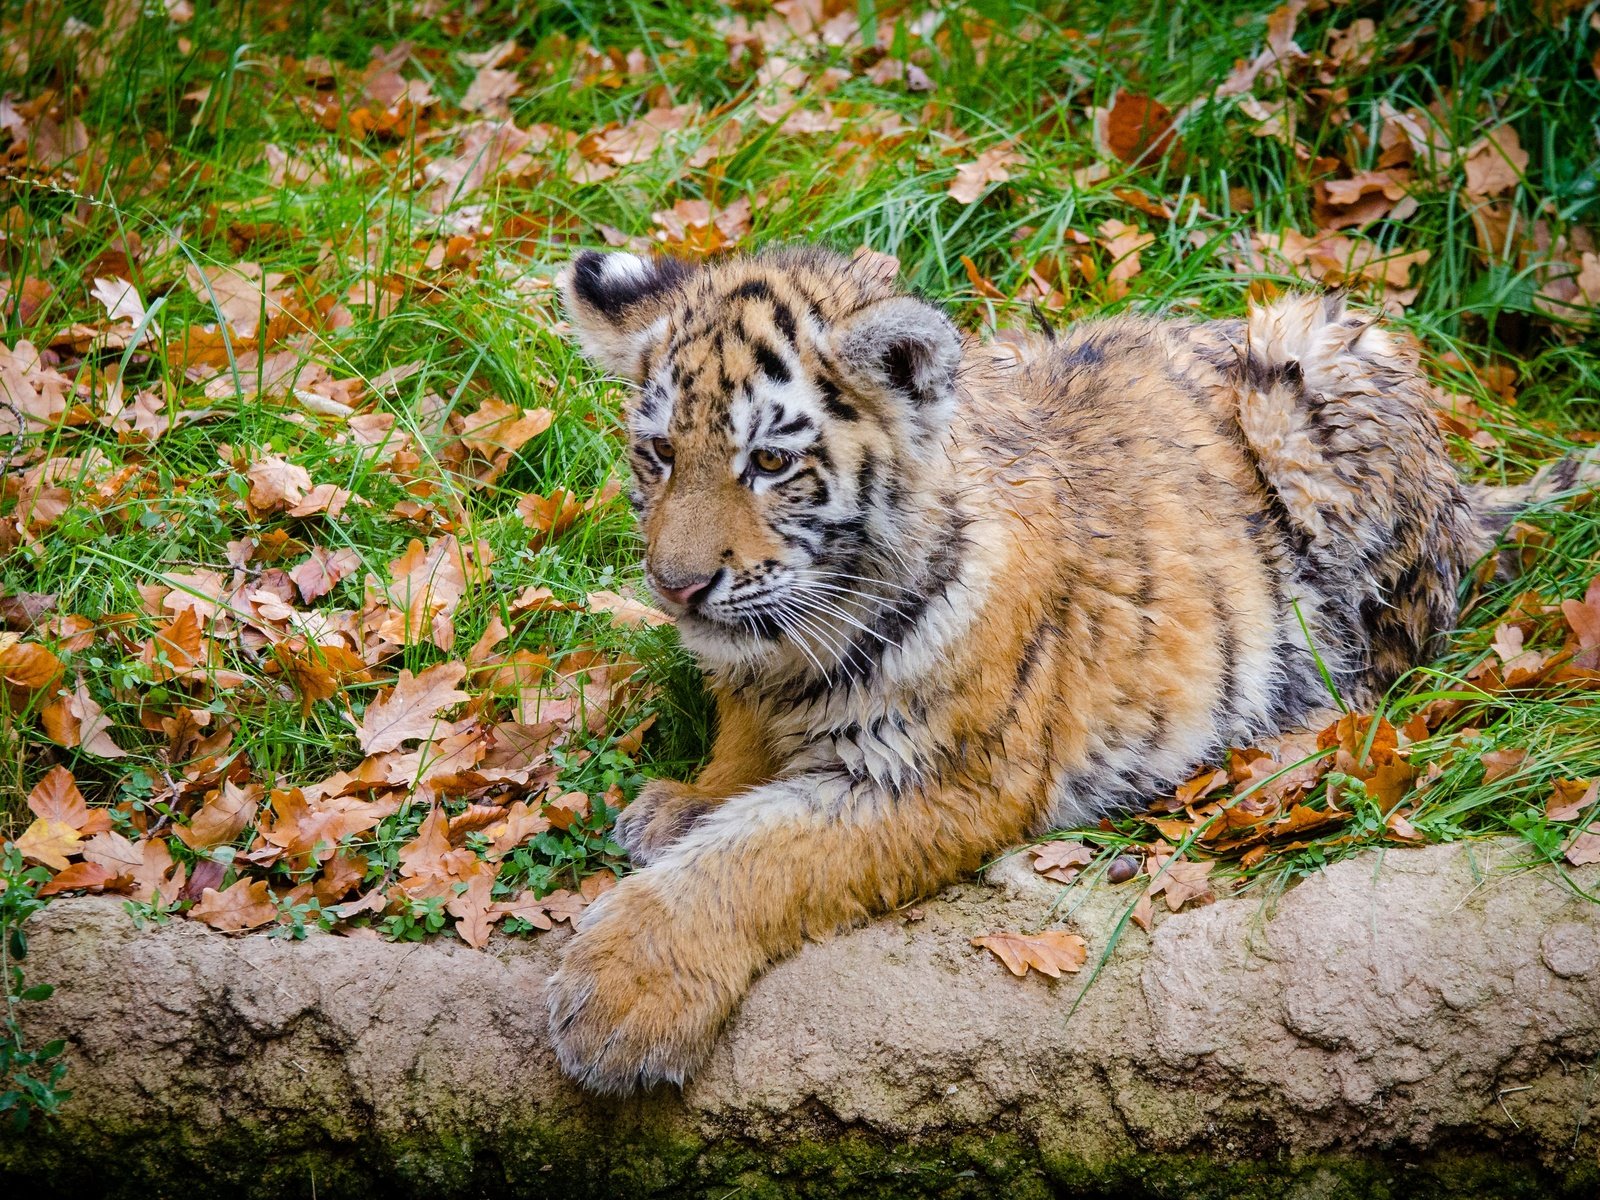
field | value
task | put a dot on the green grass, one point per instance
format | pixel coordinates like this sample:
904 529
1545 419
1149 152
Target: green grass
177 123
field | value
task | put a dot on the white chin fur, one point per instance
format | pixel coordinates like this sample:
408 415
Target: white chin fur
717 645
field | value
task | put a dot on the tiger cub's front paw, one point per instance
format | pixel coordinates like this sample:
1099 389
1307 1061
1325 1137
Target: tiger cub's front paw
664 811
637 1000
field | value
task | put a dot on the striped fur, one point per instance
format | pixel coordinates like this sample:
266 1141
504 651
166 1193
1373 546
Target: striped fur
991 589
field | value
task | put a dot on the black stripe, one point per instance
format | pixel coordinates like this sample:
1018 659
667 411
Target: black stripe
833 403
802 473
792 426
1032 655
751 289
773 366
783 318
866 479
1087 353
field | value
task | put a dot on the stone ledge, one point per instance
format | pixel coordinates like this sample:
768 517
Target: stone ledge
1424 1022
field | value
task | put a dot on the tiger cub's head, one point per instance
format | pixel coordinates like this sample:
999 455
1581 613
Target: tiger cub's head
783 406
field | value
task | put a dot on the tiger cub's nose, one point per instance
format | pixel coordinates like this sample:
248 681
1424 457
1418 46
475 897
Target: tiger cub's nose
687 591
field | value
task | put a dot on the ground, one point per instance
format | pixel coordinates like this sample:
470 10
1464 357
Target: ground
1422 1025
322 608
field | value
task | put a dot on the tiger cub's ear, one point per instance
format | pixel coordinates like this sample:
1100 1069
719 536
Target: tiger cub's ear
908 352
615 301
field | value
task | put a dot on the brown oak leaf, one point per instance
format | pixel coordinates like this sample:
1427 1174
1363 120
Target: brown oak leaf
1061 861
223 816
176 648
973 178
49 842
245 905
276 483
1583 850
322 571
1050 953
27 669
1136 128
498 426
1182 882
409 709
470 906
56 798
1569 798
1502 764
74 719
625 610
79 877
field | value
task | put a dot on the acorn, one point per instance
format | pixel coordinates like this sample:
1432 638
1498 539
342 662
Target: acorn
1123 868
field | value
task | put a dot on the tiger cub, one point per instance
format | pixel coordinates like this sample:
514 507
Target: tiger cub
949 595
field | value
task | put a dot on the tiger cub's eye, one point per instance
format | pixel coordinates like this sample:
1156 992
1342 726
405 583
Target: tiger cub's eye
662 449
770 462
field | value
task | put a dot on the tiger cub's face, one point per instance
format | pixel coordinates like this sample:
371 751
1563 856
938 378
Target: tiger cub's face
780 403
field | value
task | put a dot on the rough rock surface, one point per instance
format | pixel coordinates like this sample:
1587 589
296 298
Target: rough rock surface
1425 1022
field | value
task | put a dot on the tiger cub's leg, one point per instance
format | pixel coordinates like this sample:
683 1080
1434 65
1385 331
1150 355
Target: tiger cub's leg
666 809
661 960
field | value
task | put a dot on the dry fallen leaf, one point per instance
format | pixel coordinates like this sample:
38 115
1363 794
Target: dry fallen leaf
973 178
428 582
1050 953
1495 163
222 817
567 808
79 876
49 842
76 720
176 649
241 293
1143 913
427 856
1584 850
276 483
1123 243
1136 129
1182 882
981 285
1501 764
245 905
625 610
1583 616
114 852
559 905
475 915
313 830
1570 798
124 305
157 873
1061 861
490 91
1401 829
56 798
498 426
26 669
320 573
409 709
